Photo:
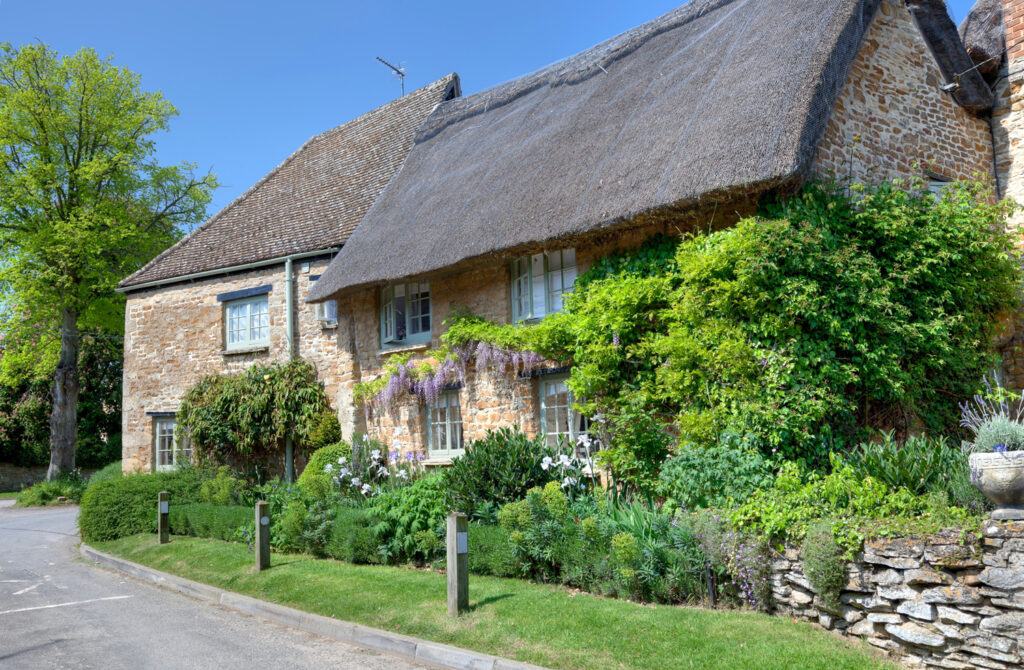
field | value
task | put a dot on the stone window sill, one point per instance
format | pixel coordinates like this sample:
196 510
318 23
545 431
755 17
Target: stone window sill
422 346
248 350
436 462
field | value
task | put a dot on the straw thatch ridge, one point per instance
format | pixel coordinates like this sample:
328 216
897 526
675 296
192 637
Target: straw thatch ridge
313 200
944 41
714 96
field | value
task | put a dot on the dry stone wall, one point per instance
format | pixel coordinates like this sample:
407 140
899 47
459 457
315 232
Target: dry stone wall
945 601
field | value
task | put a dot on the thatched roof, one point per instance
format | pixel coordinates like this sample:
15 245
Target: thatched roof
984 36
714 96
311 201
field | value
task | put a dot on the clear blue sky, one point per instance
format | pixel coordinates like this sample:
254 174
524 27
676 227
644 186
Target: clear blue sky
253 80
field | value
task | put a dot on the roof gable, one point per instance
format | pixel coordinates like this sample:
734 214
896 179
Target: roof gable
313 200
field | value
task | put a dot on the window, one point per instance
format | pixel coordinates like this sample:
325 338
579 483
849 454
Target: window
540 281
559 421
247 323
172 449
405 314
327 313
444 426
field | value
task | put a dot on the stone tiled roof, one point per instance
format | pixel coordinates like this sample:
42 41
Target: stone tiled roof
313 200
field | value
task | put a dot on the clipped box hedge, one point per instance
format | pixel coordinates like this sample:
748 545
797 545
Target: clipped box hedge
128 505
220 522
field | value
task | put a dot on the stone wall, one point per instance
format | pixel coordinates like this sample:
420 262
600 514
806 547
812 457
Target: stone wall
16 477
174 335
892 119
945 601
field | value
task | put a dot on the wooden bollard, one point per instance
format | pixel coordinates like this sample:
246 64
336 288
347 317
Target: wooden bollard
163 510
262 536
458 563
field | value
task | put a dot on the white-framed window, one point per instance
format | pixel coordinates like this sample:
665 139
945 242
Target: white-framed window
444 427
559 421
247 323
327 313
405 314
172 449
540 281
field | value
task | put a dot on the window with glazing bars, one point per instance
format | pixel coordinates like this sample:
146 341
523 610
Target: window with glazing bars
540 281
247 323
405 314
444 426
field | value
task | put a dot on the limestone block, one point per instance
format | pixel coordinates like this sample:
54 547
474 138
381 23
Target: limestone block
954 615
915 634
864 627
887 577
927 576
884 617
952 595
1012 624
1003 578
917 609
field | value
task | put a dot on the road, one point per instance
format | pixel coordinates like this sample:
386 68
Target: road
58 611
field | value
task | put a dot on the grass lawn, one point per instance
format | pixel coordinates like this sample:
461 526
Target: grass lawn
545 625
8 494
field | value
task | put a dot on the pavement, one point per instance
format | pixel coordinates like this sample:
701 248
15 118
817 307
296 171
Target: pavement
59 611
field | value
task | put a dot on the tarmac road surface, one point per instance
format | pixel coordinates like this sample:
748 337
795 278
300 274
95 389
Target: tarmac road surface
58 611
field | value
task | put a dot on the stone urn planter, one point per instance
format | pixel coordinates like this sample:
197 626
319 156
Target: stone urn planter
1000 476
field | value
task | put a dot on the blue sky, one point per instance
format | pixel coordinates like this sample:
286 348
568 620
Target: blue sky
253 80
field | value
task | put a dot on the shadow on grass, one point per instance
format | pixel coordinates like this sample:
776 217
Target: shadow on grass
487 601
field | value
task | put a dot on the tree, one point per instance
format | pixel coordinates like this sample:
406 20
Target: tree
83 203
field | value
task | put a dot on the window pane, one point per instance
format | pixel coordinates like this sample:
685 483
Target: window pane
419 308
399 310
331 310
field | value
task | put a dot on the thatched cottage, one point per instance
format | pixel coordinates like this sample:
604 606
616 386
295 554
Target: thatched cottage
685 121
232 293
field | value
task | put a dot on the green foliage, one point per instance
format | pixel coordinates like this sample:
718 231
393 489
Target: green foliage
25 423
112 471
920 464
718 475
242 420
326 431
490 552
543 531
286 534
221 489
352 538
317 527
824 563
637 444
859 507
403 513
498 468
998 430
126 505
204 519
314 480
68 485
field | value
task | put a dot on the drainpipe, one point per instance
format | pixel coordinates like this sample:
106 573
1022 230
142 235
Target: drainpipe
289 321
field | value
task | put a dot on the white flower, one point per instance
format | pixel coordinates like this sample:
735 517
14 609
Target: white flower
375 454
356 481
403 474
546 463
383 471
342 460
584 440
328 468
568 481
366 489
344 472
564 461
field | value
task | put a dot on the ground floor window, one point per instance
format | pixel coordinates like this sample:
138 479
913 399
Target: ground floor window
559 421
444 427
172 449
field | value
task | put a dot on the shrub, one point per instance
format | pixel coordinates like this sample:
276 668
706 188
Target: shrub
824 563
221 489
111 471
499 468
220 522
920 464
998 430
352 538
490 552
738 558
314 480
127 505
69 485
718 475
403 513
326 431
318 527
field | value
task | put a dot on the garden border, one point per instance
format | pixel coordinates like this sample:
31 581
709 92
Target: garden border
404 646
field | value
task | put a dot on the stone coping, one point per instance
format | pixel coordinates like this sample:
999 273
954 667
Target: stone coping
404 646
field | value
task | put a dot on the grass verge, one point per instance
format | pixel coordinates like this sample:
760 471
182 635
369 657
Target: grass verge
546 625
8 494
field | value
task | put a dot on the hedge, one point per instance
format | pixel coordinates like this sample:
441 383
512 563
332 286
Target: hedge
127 505
220 522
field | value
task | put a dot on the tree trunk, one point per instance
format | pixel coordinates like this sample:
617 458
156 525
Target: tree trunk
64 419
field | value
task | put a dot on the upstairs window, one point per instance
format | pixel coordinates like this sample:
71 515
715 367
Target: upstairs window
540 281
405 314
444 427
172 449
247 323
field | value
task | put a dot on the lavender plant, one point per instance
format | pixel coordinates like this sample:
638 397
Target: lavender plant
995 417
